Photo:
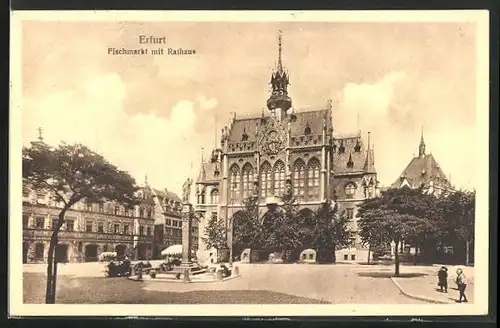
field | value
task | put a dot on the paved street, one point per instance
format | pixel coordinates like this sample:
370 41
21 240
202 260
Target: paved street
259 283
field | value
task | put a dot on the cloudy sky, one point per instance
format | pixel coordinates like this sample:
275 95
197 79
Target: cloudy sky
153 114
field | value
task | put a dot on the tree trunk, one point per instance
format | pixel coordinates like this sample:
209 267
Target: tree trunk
334 255
50 291
396 259
467 251
369 250
50 294
54 271
415 260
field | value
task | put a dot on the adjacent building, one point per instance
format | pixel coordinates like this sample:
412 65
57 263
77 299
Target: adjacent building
259 152
424 171
89 229
168 224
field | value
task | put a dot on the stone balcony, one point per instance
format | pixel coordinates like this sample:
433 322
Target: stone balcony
45 234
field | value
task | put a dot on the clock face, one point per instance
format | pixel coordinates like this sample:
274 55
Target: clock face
273 143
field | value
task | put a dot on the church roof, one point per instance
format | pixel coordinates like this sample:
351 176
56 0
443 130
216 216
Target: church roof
421 171
208 172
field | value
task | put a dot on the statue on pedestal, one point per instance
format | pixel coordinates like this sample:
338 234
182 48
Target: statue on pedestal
186 190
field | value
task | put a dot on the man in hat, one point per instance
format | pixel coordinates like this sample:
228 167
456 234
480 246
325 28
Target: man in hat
443 279
461 284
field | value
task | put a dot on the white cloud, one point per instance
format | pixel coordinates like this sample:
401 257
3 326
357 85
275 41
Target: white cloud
373 107
142 144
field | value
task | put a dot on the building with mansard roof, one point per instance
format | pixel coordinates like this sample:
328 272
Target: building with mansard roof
423 171
259 152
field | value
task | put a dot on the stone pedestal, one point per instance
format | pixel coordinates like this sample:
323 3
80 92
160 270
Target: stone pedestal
187 211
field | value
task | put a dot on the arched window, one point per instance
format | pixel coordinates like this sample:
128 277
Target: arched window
247 175
350 190
299 178
279 178
214 196
234 181
265 180
313 179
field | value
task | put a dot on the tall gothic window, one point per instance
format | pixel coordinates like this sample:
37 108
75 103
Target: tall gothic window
299 178
279 178
247 175
265 179
313 179
235 182
350 190
214 196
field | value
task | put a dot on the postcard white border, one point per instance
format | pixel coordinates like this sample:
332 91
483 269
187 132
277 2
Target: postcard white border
480 306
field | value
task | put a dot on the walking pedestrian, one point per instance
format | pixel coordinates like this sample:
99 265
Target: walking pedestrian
461 284
443 279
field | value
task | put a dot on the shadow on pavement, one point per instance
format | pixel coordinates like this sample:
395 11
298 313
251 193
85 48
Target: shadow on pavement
390 274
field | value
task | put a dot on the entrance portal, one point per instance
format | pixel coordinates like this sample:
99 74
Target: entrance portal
91 253
26 247
120 251
62 253
142 251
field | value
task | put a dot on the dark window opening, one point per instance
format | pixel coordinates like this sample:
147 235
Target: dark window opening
100 227
89 226
26 220
70 225
40 223
39 250
346 257
341 148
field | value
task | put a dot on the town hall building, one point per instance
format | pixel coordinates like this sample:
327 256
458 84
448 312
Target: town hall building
257 154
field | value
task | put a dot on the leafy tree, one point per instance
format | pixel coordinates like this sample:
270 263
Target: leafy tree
330 231
397 215
72 173
247 231
215 234
282 230
458 212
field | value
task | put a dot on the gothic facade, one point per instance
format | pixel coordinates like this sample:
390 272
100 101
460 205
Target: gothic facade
258 154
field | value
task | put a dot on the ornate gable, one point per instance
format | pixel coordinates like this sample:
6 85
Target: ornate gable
273 137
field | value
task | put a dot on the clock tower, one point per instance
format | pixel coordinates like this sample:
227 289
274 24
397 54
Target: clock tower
279 102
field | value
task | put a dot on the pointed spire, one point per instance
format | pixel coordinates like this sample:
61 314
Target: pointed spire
146 179
40 137
279 65
369 166
421 147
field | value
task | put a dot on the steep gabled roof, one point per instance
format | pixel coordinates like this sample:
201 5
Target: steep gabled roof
420 172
